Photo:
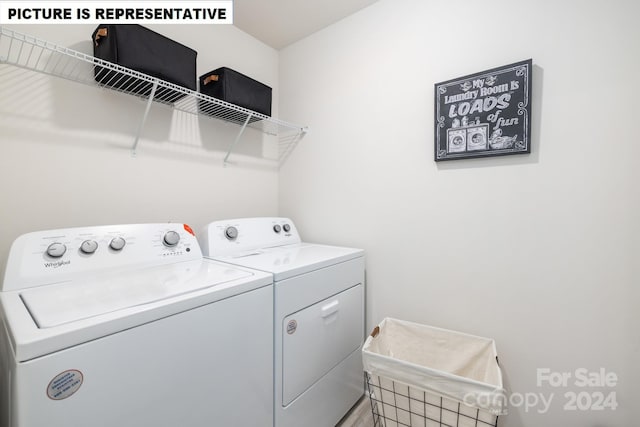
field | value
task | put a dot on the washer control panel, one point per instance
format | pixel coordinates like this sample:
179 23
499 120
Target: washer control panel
53 256
239 236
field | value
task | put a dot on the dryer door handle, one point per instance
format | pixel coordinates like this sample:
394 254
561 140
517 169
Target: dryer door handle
329 309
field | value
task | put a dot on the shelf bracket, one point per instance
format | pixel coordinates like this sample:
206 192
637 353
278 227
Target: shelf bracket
301 133
233 144
144 117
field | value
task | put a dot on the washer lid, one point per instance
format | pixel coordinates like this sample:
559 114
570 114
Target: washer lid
292 260
55 305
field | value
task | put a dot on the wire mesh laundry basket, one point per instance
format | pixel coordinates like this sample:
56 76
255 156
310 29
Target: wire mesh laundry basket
418 375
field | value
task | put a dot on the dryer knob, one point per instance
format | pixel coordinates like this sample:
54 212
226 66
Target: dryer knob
89 246
286 228
117 243
56 250
171 238
231 233
277 228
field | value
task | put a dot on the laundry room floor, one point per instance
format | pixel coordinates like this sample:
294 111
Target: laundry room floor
359 416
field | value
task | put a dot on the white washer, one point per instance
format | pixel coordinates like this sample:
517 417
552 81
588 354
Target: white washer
319 315
129 326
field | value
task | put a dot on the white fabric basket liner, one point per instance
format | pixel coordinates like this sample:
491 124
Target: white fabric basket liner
451 364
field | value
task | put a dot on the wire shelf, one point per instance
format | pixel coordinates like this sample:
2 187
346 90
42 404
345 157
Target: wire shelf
44 57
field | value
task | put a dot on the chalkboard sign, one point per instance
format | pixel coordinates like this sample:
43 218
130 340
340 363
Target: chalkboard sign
484 114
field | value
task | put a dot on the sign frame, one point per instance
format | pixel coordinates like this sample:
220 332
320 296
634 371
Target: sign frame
484 114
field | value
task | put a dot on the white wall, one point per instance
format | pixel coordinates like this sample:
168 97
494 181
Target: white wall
65 156
539 251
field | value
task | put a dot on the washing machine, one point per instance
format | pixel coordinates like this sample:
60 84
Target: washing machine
319 315
129 325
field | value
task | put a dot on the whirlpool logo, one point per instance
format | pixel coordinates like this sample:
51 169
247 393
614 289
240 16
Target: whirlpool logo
56 264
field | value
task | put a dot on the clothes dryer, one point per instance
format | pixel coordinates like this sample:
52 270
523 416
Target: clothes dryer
319 315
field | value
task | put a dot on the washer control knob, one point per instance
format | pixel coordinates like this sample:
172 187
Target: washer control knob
89 246
117 243
286 228
231 233
277 228
56 250
171 238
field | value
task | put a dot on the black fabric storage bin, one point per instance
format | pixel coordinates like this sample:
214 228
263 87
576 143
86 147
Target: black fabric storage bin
236 88
143 50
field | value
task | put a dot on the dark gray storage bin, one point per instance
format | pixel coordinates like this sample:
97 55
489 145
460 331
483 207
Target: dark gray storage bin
236 88
141 49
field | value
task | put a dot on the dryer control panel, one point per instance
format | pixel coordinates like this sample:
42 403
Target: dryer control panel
241 236
54 256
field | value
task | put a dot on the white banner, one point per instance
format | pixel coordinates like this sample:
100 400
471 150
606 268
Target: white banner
116 12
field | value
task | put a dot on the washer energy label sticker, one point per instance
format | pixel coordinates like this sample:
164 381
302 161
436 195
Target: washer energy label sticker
65 384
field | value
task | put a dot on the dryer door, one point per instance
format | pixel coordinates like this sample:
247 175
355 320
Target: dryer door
317 338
